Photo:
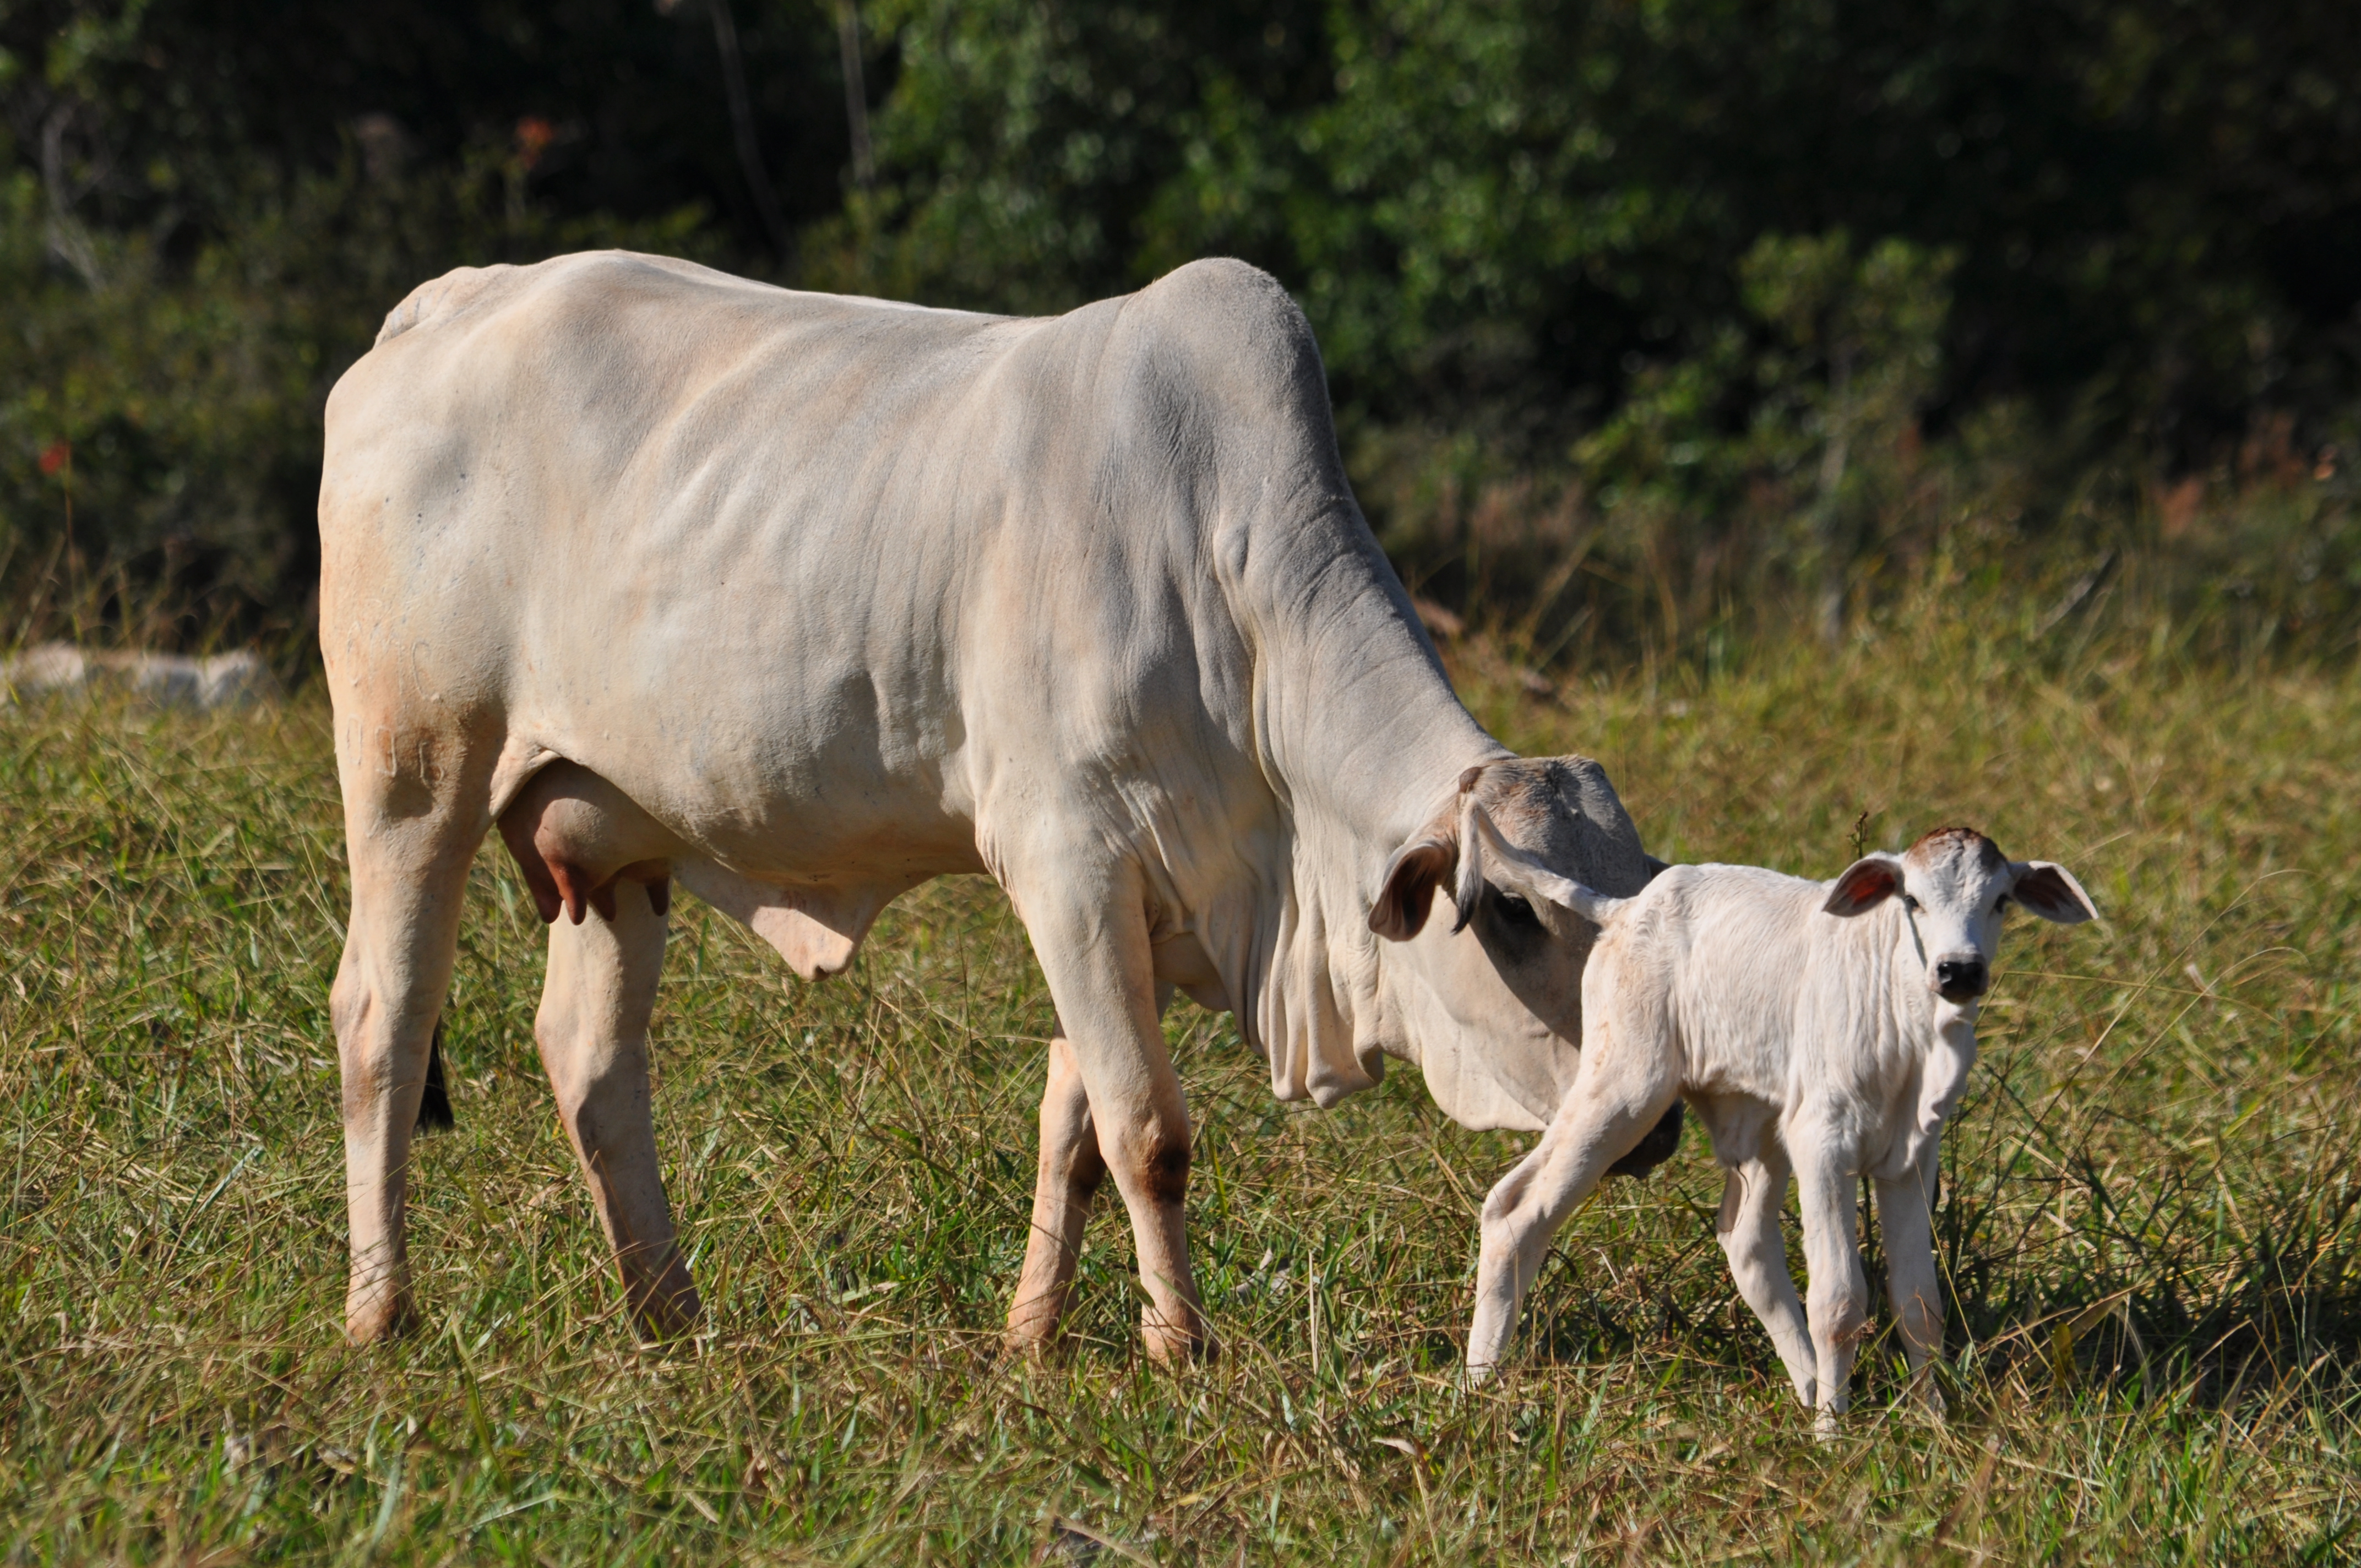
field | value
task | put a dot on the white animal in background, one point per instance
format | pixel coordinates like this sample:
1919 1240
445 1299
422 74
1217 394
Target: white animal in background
802 600
168 680
1826 1027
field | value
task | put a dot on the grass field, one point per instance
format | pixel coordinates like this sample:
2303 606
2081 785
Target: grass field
2148 1216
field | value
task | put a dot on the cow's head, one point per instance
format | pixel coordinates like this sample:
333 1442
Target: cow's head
1953 885
1559 812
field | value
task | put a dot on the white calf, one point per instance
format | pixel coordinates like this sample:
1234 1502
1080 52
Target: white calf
1825 1026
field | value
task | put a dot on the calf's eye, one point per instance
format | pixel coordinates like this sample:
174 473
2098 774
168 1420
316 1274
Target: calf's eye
1517 912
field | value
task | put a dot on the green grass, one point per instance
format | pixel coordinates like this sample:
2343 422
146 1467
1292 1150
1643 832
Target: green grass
2148 1218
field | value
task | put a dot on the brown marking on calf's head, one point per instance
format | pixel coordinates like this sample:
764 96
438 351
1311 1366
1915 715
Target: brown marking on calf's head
1939 846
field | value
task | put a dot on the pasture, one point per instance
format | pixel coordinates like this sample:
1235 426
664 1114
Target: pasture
2148 1223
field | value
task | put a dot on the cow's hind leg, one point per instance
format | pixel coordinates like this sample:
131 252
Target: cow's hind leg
1069 1173
593 1034
410 848
1090 932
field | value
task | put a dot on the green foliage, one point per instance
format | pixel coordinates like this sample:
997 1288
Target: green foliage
190 393
2150 1218
1651 271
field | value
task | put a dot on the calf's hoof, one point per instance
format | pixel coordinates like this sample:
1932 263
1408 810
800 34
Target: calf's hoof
1826 1425
376 1312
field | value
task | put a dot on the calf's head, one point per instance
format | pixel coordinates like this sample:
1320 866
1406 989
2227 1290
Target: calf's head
1953 886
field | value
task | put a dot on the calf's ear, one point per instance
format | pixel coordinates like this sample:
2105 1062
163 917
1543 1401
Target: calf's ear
2049 890
1866 883
1407 896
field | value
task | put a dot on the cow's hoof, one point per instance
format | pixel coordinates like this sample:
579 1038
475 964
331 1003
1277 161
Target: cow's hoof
1177 1348
666 1307
1826 1426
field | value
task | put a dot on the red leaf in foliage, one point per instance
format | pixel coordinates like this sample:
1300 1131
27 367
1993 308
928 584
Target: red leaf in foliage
533 135
58 454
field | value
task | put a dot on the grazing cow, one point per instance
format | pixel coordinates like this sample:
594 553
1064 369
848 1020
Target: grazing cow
803 600
168 680
1823 1026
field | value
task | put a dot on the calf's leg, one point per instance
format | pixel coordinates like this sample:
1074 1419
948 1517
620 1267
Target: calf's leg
1071 1171
1618 1095
1748 1226
593 1032
1838 1303
1906 1224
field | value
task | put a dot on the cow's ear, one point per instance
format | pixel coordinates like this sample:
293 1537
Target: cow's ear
2050 890
1406 897
1866 883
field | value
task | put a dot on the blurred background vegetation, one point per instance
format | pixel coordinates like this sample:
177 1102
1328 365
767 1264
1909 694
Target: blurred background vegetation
1655 326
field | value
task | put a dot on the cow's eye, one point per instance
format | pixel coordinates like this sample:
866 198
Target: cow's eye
1517 912
1910 904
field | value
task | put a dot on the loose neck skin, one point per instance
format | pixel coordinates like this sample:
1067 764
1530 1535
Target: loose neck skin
1357 720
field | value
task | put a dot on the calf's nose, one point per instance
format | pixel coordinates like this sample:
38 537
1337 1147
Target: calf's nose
1960 979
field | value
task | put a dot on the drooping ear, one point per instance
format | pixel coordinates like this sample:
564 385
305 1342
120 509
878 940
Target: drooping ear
2049 890
1551 896
1468 888
1407 895
1866 883
1444 851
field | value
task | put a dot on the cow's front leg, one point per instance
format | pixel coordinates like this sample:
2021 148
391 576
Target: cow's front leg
1090 933
1071 1171
1906 1227
593 1032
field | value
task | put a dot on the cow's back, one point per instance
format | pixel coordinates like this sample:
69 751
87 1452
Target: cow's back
804 575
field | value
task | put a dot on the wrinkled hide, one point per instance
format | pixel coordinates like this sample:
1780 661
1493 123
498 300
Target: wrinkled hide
800 600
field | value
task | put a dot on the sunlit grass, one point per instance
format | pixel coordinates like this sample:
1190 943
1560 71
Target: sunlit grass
2148 1216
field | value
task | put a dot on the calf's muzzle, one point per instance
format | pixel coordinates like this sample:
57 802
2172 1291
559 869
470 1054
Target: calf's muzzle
1961 980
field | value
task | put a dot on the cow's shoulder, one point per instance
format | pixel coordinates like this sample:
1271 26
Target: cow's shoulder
1225 319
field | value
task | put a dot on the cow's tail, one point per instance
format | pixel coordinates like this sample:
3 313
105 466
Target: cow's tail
435 1105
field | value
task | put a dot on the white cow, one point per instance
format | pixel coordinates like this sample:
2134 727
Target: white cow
803 600
1823 1026
168 680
